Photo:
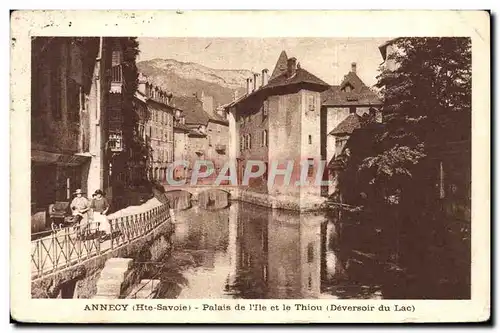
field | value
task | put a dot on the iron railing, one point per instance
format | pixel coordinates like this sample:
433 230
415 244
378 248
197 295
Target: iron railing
71 245
127 228
64 247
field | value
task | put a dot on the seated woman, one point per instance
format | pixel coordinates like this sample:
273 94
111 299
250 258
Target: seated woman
80 207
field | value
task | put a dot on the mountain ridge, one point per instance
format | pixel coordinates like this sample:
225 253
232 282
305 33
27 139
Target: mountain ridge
188 78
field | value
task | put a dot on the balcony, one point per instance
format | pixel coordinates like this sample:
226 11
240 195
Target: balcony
116 79
115 143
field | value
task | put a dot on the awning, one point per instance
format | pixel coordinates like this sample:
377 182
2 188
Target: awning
45 157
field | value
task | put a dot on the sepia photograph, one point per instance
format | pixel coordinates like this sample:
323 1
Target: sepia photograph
249 168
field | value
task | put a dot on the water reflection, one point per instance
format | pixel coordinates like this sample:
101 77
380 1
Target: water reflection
247 251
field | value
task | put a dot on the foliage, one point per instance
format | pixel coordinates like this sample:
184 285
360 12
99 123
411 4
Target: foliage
426 102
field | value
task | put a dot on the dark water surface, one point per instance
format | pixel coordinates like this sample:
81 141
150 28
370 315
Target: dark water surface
252 252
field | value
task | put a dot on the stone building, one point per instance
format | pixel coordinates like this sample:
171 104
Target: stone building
157 128
208 135
72 83
341 108
277 121
181 132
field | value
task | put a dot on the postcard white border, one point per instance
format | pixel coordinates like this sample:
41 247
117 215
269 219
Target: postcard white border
24 24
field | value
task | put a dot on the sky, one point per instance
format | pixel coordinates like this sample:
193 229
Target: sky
328 58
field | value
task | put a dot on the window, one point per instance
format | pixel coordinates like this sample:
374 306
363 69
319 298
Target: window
73 100
311 103
352 109
310 167
310 139
310 252
116 58
242 143
264 139
249 141
55 92
265 109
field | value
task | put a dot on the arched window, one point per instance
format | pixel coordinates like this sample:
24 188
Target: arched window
264 142
242 143
249 141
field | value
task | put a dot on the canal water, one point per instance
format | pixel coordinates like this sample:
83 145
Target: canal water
252 252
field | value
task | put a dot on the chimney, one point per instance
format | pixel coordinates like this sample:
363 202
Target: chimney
249 88
291 66
255 76
141 83
353 67
265 77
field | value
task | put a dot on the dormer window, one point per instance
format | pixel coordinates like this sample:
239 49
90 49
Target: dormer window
348 88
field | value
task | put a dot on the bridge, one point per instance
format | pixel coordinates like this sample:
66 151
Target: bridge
196 190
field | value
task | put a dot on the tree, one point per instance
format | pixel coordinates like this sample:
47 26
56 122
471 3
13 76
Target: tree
426 102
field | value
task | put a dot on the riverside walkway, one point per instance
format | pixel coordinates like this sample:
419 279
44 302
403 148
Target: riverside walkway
71 246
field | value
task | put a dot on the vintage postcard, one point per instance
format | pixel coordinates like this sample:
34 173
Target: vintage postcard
250 166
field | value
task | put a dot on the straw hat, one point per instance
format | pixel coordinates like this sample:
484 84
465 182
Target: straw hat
78 191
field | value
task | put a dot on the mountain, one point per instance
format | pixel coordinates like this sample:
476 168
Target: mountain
187 78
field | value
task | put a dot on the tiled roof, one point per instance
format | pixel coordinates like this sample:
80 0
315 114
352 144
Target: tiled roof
181 127
301 76
193 109
360 94
383 47
219 119
196 133
348 125
281 65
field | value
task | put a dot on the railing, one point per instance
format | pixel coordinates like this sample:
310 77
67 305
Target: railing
72 245
116 79
64 248
126 229
116 73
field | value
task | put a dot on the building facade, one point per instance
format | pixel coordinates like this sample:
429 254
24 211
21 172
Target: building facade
71 85
342 107
181 132
208 135
277 122
157 128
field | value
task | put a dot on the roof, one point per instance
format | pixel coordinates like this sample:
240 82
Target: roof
348 125
301 76
193 109
280 78
281 65
181 127
218 119
359 95
383 47
196 133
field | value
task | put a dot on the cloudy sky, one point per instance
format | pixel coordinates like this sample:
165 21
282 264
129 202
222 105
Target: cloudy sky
328 58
